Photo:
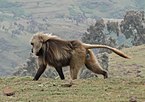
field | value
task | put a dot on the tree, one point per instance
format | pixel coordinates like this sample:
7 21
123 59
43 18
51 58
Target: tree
133 27
113 27
96 35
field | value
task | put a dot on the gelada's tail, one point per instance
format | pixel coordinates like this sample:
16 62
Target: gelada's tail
118 52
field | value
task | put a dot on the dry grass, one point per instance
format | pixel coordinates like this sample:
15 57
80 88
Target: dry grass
94 90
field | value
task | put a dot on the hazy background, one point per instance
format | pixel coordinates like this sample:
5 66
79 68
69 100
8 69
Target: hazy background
20 19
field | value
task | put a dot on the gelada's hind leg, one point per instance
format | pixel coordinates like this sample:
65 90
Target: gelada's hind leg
76 62
92 64
75 67
74 72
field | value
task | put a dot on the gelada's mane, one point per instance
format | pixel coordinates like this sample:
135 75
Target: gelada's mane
54 48
46 36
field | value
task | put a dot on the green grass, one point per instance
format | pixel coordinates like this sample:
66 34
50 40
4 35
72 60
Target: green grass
93 89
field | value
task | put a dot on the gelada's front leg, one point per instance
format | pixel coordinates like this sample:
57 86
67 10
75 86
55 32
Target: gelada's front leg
40 71
60 72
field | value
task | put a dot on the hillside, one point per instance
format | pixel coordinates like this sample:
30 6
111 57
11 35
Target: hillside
125 84
70 18
134 67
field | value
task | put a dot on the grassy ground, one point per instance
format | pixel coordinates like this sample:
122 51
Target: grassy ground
126 82
94 90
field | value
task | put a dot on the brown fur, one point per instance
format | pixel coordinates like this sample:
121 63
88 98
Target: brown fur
58 53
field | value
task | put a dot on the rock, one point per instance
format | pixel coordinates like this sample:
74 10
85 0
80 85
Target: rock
133 99
8 91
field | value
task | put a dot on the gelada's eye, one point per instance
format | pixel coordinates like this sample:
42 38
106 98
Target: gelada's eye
32 43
